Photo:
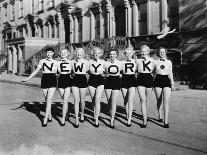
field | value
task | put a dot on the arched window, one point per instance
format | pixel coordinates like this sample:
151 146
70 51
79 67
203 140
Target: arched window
143 19
120 20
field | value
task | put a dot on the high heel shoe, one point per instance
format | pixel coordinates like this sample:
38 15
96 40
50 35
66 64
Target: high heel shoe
166 125
44 125
129 125
96 125
50 120
82 120
62 124
112 126
76 125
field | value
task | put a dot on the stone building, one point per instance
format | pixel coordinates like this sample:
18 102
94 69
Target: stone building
28 26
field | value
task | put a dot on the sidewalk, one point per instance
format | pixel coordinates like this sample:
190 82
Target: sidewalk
186 135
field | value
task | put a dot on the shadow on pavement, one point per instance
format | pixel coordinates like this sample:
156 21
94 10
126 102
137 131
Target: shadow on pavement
39 107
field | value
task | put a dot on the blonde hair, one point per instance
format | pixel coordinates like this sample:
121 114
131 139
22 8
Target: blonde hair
96 49
129 49
145 46
79 49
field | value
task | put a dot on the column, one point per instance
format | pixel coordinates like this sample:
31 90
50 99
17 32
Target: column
127 18
92 26
135 24
28 29
9 60
75 29
71 28
14 60
113 23
149 21
108 10
164 11
44 30
83 27
101 23
21 67
61 28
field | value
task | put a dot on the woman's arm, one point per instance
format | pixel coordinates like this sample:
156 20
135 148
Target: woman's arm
32 75
171 76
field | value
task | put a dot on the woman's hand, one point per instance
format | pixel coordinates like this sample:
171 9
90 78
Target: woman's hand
24 80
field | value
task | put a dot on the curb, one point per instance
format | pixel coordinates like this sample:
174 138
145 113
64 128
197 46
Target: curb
21 83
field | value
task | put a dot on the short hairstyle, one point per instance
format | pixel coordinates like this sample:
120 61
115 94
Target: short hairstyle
79 49
145 46
95 49
129 49
49 49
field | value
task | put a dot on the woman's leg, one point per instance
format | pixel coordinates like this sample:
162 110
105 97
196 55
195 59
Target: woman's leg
92 91
131 92
143 101
148 92
158 94
125 96
45 91
50 94
82 101
166 99
98 94
108 97
65 104
75 91
114 96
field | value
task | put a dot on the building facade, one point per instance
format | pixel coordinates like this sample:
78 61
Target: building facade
27 26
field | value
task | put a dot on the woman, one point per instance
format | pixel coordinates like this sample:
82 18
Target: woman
80 67
64 81
128 82
163 84
48 81
145 66
96 81
112 84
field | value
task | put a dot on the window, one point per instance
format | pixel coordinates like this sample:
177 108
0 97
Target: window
21 8
80 29
42 32
143 18
97 26
33 7
173 14
41 5
12 11
53 30
57 28
9 35
21 33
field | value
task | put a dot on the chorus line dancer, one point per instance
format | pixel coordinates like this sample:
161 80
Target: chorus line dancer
113 84
96 81
48 81
145 67
163 84
128 82
80 67
64 81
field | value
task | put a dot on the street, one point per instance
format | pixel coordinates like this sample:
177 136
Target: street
22 109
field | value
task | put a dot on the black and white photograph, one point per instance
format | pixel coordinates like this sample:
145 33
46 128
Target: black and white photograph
103 77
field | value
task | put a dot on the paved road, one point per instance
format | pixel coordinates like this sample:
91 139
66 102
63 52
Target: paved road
22 109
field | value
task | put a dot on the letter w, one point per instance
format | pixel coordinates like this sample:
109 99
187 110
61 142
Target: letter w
80 68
